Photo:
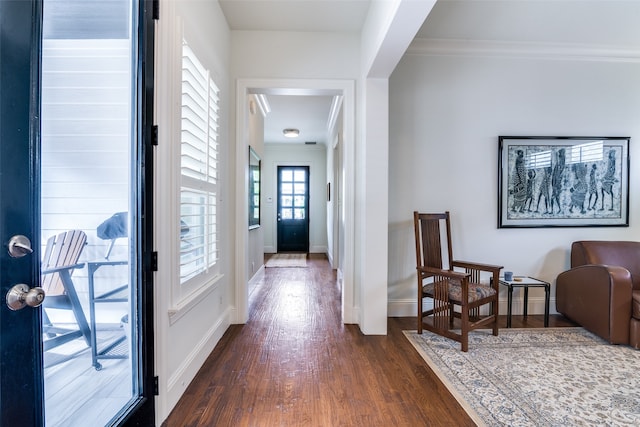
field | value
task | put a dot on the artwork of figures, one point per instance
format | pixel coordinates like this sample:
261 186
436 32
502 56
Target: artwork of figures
563 181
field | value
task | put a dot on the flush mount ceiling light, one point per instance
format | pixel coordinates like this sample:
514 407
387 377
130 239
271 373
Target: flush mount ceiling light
291 133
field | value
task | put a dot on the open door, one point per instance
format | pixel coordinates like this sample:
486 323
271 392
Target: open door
76 81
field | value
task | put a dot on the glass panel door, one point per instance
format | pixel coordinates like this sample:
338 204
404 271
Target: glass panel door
74 136
88 200
293 209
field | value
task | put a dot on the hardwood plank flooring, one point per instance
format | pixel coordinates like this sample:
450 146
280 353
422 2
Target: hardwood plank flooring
295 364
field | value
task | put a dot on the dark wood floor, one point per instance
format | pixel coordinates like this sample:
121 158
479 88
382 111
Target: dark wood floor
295 364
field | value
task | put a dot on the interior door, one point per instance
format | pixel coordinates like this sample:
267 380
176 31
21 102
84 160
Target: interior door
54 127
293 209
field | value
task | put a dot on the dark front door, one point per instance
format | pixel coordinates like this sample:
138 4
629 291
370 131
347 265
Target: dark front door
73 150
293 209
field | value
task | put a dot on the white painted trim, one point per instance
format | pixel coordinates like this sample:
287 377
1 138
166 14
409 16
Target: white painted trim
318 249
187 303
241 303
263 103
257 276
409 307
312 86
334 112
556 51
186 372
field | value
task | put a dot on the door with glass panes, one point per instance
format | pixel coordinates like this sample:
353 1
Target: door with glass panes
293 209
75 202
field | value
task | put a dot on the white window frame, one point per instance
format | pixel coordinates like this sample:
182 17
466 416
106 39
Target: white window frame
198 174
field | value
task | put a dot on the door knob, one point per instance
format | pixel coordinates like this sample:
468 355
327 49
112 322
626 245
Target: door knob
21 295
19 246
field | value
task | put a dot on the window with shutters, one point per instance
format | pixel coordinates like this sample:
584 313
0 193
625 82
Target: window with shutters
198 171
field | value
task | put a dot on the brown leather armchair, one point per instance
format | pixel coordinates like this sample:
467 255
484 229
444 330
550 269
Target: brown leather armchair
601 291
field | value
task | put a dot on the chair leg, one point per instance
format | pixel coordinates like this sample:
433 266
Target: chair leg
46 323
464 328
76 307
451 315
419 313
494 307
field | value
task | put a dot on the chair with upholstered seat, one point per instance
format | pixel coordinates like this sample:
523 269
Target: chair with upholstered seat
456 288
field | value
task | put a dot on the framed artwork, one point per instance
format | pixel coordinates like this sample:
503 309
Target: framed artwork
254 189
563 181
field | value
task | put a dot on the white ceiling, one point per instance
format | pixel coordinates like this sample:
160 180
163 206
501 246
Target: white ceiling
308 113
601 22
592 22
295 15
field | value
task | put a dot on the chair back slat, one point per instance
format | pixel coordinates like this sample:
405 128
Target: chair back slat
429 233
62 250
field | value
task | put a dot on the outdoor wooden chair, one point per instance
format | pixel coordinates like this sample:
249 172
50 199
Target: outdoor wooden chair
453 286
60 259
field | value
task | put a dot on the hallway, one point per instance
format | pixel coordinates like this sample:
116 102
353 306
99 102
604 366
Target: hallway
295 364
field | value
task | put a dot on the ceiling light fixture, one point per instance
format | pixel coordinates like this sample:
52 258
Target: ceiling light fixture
291 133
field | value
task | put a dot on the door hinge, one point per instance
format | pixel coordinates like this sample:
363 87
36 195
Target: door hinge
156 387
155 14
154 261
154 135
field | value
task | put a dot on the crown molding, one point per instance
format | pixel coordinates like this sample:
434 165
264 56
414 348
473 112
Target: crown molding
336 103
263 103
550 51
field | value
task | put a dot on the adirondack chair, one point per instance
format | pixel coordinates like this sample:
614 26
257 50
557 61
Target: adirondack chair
60 259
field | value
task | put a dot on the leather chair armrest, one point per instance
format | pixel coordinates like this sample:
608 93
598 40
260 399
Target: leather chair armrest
598 297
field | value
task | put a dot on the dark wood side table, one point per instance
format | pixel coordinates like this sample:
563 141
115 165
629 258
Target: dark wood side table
526 282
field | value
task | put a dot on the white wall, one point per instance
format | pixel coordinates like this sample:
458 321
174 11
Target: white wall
188 326
274 59
335 218
86 144
447 111
255 259
374 53
313 156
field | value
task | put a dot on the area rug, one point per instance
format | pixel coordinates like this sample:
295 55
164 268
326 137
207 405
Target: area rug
287 260
538 377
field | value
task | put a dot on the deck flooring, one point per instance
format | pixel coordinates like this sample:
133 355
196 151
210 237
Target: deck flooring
78 395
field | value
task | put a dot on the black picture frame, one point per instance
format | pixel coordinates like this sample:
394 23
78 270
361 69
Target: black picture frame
563 181
254 188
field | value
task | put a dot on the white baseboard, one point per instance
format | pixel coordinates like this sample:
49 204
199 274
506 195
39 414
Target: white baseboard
186 372
316 249
409 308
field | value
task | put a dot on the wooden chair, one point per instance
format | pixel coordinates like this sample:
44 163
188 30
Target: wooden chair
60 259
449 288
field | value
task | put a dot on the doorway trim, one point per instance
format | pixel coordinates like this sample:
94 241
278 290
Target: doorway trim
245 87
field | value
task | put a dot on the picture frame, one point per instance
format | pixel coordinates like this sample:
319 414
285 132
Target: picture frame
254 188
563 181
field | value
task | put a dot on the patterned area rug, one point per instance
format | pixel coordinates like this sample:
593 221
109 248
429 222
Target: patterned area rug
287 260
538 377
